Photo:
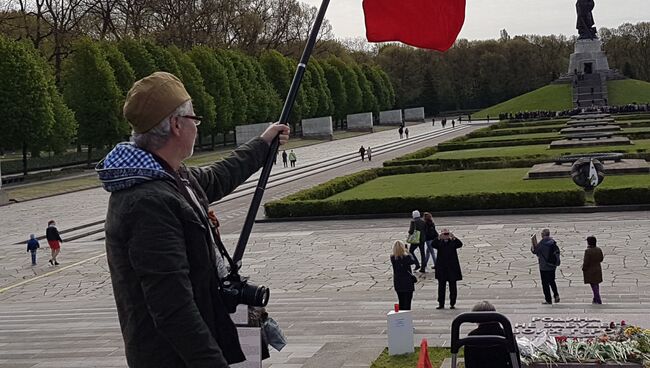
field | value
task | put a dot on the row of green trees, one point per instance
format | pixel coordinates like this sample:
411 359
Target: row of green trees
228 88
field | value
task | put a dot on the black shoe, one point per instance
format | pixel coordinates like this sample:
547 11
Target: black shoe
56 263
452 307
547 303
52 263
557 299
440 307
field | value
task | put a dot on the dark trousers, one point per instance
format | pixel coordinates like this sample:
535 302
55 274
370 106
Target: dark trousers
417 261
442 290
595 288
34 258
404 298
548 282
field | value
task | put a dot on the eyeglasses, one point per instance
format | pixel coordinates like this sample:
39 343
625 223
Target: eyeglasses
445 233
197 119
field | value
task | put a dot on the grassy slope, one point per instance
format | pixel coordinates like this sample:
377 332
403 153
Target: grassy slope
453 182
557 97
627 91
552 97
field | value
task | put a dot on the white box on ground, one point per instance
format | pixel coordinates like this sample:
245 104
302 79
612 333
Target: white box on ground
250 339
400 332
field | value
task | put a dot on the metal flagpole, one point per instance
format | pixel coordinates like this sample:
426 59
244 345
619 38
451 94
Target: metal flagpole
284 118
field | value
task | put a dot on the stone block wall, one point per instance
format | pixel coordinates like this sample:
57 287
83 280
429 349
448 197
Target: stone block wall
360 122
414 114
320 128
245 133
391 117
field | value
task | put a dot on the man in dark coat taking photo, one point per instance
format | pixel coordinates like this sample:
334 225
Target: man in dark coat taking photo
165 271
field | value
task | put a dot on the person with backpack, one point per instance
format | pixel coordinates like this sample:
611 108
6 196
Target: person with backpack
416 239
548 256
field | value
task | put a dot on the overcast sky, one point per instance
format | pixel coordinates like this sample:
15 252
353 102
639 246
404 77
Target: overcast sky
485 18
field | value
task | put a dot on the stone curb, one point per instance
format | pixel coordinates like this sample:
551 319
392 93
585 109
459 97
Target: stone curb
492 212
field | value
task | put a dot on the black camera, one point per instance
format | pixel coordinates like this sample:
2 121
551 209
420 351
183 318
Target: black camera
237 290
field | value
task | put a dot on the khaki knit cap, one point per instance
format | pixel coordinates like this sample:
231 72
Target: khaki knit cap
153 98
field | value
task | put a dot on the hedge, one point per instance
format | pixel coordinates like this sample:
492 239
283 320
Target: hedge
422 153
631 195
514 131
458 146
44 163
523 124
433 204
334 186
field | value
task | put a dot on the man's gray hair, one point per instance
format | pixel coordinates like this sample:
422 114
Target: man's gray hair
155 138
546 232
484 306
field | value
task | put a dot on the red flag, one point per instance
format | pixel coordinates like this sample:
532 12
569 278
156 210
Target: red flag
429 24
424 361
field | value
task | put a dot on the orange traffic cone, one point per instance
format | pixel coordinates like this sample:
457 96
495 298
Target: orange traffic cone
423 361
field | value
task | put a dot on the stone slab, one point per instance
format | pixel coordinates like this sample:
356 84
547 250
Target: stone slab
245 133
613 141
320 128
590 116
590 129
625 166
360 122
414 114
391 117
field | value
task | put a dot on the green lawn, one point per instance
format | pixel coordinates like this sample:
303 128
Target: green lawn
626 181
553 97
451 183
622 92
536 150
436 355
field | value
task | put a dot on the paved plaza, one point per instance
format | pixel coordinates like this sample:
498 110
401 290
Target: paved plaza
331 281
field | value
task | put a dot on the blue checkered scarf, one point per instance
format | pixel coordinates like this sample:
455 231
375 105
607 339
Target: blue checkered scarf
126 166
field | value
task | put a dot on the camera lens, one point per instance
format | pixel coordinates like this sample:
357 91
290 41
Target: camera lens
256 296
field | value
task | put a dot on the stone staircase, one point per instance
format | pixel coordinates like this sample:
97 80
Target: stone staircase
589 90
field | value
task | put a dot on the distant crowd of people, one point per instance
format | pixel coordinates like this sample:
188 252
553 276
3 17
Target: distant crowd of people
442 248
548 114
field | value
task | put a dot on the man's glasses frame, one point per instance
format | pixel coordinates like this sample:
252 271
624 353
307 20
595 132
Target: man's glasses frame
196 119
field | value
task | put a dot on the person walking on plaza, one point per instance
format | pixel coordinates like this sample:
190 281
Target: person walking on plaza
54 241
591 269
447 267
32 246
430 234
403 278
292 158
162 250
444 123
362 152
401 132
433 122
284 158
453 123
416 239
369 153
406 132
548 256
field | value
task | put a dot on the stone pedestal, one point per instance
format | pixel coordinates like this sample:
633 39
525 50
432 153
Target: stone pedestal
360 122
4 198
588 51
247 132
319 128
391 117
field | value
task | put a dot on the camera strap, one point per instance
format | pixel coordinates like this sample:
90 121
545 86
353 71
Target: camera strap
190 189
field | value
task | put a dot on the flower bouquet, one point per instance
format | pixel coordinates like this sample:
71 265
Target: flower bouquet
629 346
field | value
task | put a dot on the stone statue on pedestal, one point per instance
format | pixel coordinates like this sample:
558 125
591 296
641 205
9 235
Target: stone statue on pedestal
585 23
